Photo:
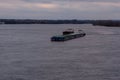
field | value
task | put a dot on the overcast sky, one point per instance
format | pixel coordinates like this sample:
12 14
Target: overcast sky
60 9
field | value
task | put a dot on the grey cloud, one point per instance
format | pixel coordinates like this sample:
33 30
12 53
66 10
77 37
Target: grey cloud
50 1
38 1
65 9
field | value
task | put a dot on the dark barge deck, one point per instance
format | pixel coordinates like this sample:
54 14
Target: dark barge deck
67 37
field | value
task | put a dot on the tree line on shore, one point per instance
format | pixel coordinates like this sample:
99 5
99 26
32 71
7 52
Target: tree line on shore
115 23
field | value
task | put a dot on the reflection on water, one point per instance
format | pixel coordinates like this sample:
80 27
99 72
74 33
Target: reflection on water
26 53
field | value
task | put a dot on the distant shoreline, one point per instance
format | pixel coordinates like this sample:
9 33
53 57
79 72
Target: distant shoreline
110 23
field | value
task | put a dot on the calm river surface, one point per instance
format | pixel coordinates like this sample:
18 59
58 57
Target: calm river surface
26 53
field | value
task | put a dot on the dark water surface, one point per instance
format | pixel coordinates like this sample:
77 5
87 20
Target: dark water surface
26 53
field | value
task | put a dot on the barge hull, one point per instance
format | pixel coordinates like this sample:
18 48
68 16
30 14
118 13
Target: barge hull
67 37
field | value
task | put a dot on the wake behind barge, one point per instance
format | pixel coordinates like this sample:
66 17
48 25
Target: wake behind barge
68 35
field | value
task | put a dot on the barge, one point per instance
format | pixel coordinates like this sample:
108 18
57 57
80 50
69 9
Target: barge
68 35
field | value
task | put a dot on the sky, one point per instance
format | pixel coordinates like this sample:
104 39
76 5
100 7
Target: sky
60 9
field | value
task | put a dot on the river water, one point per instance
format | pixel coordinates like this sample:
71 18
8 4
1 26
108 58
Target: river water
26 53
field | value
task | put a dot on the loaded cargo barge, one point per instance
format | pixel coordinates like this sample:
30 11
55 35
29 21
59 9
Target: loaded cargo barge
68 35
